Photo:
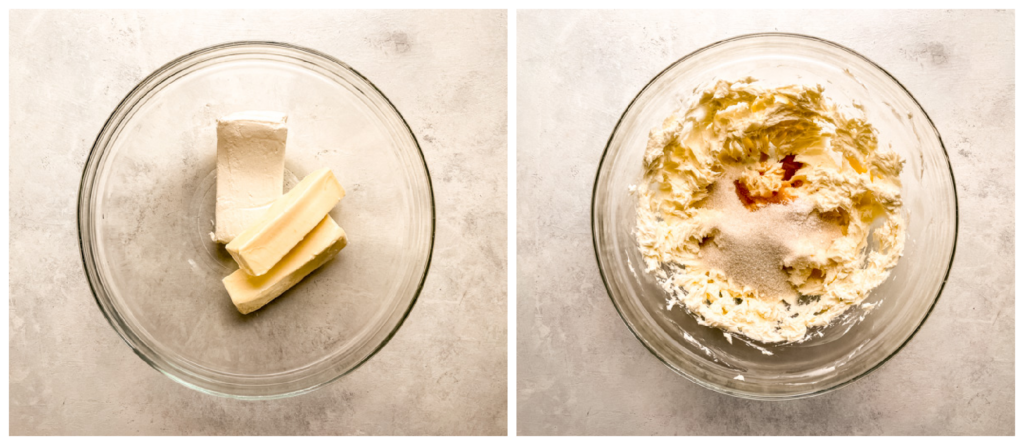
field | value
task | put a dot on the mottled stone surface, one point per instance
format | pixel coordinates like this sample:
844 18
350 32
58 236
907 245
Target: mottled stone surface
443 373
580 370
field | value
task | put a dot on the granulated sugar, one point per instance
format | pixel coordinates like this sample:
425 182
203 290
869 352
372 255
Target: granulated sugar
751 247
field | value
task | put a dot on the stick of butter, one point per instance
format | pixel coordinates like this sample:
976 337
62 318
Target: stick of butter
249 293
286 222
250 168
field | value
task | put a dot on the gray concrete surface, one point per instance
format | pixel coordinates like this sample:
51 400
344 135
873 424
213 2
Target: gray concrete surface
443 373
579 369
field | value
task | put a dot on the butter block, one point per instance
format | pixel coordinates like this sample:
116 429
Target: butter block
286 222
250 169
250 293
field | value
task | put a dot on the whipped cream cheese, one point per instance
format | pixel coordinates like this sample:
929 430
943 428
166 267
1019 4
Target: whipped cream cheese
767 211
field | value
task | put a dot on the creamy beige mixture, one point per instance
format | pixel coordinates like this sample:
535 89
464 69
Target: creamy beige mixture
756 207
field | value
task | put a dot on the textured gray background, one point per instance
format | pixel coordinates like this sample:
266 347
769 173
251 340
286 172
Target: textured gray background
443 373
580 370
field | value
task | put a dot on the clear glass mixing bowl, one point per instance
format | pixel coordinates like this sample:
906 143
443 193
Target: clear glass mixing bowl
146 210
859 341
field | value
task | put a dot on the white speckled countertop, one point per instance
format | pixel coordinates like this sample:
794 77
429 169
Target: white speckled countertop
445 370
580 370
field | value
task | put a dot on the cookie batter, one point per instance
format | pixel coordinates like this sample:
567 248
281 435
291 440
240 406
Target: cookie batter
767 211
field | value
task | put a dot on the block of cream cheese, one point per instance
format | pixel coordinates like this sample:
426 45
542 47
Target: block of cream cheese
250 169
249 293
286 222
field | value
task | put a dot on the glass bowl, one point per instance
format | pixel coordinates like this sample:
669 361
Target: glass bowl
146 210
861 339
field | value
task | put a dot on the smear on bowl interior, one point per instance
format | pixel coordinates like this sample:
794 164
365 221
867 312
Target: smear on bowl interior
758 205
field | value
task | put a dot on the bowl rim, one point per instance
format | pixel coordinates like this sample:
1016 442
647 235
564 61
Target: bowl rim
597 250
85 215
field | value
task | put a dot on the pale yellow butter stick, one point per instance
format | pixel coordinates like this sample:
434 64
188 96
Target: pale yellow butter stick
287 221
250 293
